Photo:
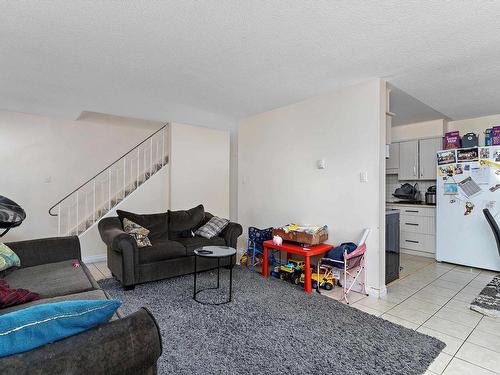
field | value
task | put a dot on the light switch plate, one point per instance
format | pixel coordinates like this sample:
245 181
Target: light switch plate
363 176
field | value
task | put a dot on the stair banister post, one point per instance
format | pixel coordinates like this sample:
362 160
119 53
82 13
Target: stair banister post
150 156
59 220
157 154
115 193
144 162
124 175
109 189
77 213
162 146
85 214
131 170
138 168
93 204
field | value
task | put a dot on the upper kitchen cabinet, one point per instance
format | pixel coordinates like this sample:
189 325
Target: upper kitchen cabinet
417 159
428 149
408 160
392 163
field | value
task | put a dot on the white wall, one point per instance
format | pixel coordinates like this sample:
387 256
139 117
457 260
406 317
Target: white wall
151 197
43 159
200 168
418 130
279 182
475 125
437 128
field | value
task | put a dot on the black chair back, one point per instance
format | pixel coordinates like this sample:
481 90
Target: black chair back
494 227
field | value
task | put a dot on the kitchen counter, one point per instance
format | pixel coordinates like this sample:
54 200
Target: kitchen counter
391 211
410 204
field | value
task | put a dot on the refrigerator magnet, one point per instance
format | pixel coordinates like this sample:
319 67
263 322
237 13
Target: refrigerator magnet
489 163
495 188
467 154
450 188
481 175
459 169
496 155
484 153
446 157
446 170
469 206
469 187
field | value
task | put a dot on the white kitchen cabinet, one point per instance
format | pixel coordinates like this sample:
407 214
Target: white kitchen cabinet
428 149
392 163
417 159
408 160
417 229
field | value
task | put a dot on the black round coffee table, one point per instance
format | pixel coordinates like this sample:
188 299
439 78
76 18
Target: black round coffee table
217 252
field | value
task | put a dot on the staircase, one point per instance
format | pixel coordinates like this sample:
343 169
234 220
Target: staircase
88 203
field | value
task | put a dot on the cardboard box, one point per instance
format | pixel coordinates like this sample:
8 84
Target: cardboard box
302 237
451 140
495 140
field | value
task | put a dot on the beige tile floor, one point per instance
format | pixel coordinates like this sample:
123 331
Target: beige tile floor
432 298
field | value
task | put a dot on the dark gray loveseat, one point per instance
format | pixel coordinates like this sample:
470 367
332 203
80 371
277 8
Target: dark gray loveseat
125 345
172 250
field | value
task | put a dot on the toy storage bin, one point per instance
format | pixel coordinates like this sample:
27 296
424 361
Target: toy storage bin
302 237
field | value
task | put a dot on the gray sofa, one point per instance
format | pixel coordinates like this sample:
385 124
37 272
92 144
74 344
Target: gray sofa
125 345
173 245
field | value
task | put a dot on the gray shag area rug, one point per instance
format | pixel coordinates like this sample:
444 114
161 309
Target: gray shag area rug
488 301
272 327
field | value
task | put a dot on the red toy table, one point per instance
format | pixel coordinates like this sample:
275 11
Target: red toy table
313 250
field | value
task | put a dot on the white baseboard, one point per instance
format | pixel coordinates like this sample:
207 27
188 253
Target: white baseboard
95 258
376 292
418 253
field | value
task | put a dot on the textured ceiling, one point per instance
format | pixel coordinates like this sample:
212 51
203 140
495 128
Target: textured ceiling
233 58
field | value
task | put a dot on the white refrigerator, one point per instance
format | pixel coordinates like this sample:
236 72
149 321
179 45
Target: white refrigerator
468 180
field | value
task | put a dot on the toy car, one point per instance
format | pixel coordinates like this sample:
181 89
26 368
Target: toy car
276 272
326 281
292 271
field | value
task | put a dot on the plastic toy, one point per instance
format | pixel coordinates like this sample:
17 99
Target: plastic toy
292 271
469 206
326 280
277 240
276 272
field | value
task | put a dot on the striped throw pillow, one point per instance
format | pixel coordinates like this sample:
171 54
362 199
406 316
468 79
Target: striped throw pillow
211 229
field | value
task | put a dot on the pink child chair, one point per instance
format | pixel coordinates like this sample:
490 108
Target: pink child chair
352 266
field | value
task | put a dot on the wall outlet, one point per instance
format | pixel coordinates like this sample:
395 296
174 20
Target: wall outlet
363 176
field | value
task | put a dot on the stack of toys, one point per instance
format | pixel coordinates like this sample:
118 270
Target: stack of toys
293 272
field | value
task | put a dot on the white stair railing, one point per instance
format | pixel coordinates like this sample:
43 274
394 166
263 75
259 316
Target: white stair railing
85 205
